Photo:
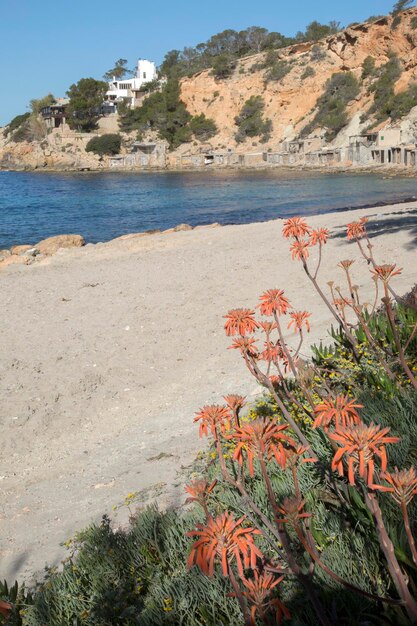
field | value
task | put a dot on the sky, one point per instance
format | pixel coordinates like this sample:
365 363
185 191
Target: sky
46 46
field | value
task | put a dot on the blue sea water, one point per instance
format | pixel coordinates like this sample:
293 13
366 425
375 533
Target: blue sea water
103 206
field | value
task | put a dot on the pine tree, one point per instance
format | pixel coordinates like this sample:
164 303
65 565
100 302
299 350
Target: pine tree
401 5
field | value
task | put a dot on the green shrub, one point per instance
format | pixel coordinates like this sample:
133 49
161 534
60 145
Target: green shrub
308 72
331 114
368 67
105 144
150 86
402 103
133 577
30 129
374 18
383 88
16 123
396 22
251 122
413 22
386 102
278 71
271 58
317 54
38 104
164 112
202 127
223 66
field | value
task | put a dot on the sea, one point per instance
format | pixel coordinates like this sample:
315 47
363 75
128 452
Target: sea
102 206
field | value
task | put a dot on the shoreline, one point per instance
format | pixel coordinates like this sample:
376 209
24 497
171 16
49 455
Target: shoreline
189 227
387 168
92 334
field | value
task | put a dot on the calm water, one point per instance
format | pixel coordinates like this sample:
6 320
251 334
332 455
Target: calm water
103 206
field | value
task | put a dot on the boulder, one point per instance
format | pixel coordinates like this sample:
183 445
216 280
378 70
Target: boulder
4 254
20 249
14 259
53 244
182 227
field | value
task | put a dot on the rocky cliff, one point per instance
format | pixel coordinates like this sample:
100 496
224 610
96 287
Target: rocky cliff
290 102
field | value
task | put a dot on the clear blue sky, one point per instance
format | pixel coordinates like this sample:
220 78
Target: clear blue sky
45 46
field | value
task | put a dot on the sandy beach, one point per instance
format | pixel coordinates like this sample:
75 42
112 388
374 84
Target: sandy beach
108 350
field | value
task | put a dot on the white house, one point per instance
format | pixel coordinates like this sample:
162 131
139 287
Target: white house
129 88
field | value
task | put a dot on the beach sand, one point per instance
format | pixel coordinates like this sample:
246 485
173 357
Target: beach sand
108 351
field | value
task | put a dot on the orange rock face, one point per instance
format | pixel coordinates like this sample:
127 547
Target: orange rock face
290 102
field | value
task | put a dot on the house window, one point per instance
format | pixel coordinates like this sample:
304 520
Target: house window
144 75
124 85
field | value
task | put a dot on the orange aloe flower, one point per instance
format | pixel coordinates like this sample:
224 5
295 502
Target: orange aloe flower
235 402
273 352
241 322
246 345
295 227
300 319
267 327
403 485
292 510
273 301
258 439
224 539
299 250
356 230
340 410
319 236
295 456
385 272
360 444
199 490
211 416
258 595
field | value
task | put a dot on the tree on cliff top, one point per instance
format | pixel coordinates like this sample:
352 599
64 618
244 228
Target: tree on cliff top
86 98
119 71
316 31
401 5
38 104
